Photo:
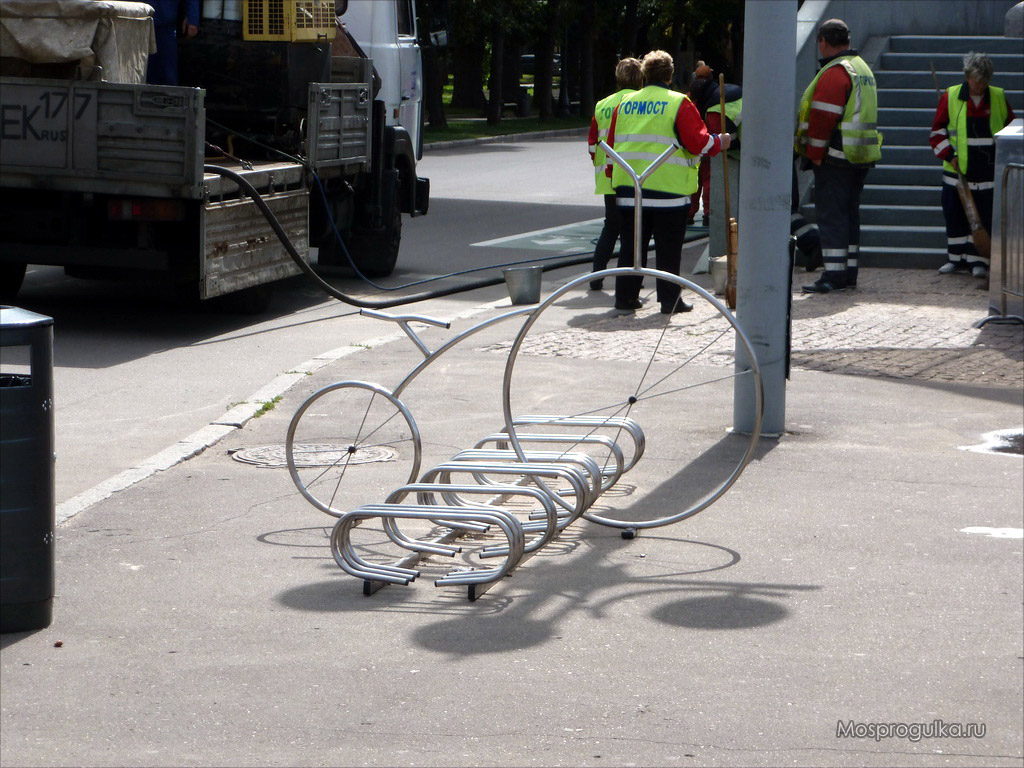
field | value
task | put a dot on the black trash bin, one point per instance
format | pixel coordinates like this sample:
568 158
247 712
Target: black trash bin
26 470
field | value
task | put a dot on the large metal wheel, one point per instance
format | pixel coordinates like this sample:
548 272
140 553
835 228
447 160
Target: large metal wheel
349 442
674 375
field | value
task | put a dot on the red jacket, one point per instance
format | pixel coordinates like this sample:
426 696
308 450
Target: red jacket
832 92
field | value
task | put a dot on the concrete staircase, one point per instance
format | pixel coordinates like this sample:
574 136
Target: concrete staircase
901 214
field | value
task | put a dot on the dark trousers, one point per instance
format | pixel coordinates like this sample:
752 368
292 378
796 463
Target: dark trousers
609 234
668 226
959 244
807 238
837 190
162 67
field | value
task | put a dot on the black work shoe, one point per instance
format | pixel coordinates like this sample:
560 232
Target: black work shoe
596 285
823 286
629 308
681 306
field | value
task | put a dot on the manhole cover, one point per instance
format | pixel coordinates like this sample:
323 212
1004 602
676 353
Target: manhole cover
314 455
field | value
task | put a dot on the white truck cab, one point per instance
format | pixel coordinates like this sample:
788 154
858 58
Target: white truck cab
386 31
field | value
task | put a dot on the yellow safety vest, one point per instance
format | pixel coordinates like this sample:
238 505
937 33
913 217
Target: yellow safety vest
603 117
733 112
862 143
646 127
957 128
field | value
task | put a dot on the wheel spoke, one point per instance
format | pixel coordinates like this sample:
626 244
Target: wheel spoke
683 388
683 364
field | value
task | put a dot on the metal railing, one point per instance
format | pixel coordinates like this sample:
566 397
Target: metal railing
556 487
1011 244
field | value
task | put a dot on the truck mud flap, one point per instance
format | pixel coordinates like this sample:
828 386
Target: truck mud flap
240 250
422 196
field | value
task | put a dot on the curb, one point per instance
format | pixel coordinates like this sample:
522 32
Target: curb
505 137
236 418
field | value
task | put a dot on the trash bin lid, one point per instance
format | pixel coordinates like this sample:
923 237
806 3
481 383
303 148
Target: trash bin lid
15 317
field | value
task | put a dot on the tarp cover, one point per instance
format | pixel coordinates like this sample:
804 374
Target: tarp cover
117 37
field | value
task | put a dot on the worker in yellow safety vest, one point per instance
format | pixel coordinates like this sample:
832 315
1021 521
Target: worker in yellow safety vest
837 136
967 119
628 78
705 94
644 125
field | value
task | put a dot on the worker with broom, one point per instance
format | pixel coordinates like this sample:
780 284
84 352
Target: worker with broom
966 121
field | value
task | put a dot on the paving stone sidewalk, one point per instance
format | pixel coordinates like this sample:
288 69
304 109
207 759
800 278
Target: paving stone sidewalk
898 323
906 324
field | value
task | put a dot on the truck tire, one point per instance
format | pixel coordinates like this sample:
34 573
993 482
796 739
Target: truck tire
11 277
375 252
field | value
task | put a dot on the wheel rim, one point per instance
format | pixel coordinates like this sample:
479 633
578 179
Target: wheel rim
351 440
728 456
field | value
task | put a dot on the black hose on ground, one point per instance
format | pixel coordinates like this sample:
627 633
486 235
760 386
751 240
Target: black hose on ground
330 290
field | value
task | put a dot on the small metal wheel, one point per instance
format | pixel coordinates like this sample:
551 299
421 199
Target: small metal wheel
349 442
673 375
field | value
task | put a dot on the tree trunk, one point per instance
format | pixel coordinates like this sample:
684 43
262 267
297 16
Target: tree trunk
630 29
587 99
543 73
512 67
468 75
496 100
433 88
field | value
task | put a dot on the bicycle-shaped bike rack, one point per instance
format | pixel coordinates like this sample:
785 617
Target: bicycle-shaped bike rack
533 473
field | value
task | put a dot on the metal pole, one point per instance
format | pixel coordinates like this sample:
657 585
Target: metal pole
764 279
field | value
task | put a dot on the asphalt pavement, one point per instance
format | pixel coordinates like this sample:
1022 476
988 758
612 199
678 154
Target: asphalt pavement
855 599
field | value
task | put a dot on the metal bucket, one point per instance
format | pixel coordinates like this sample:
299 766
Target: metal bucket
719 274
523 284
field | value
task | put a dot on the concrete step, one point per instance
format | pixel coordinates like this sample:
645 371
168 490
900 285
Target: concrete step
907 97
888 236
906 135
902 258
918 117
949 61
901 194
909 117
927 216
922 79
947 43
902 154
902 215
926 97
912 175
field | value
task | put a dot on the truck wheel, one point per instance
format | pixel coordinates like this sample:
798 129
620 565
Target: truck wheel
375 253
11 277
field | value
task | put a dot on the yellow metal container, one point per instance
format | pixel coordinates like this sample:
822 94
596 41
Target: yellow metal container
288 20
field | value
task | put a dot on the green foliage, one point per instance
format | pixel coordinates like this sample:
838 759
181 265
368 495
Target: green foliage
476 129
590 35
